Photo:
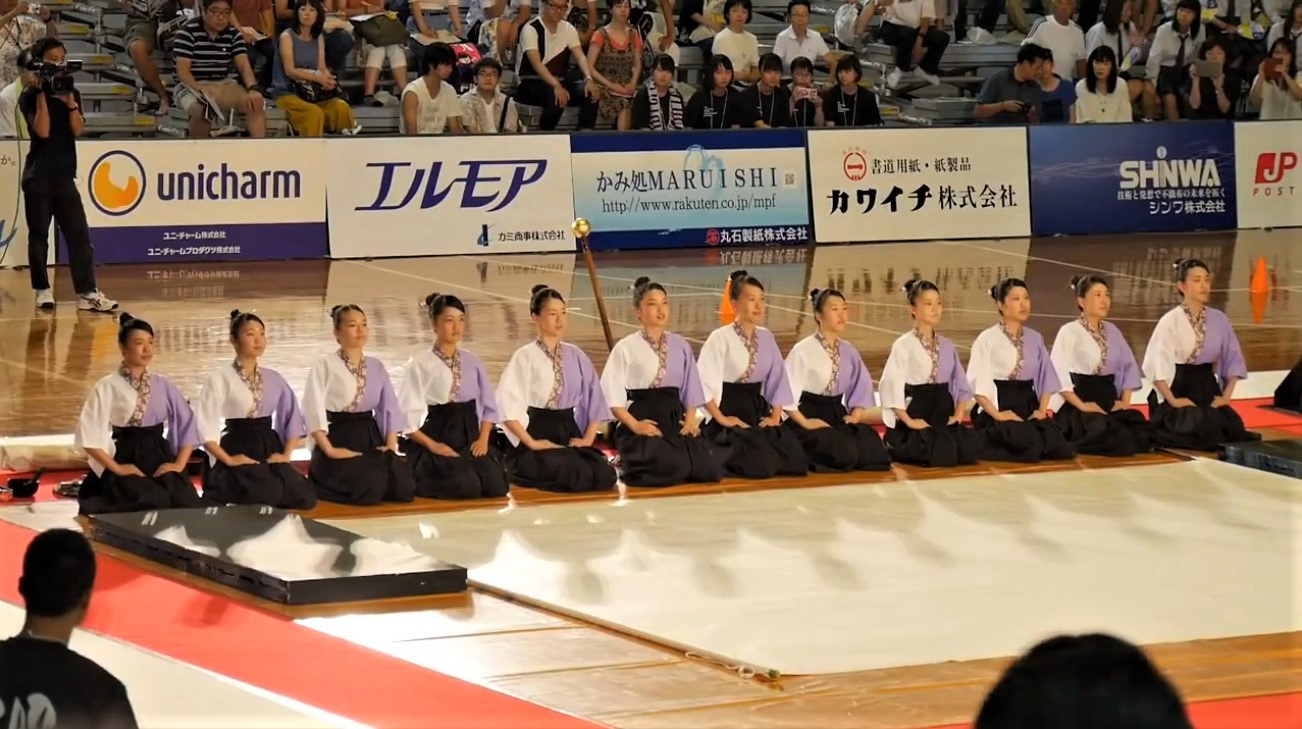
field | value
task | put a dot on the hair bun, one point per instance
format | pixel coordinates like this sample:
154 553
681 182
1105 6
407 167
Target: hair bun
641 281
739 273
1178 263
1075 280
994 291
334 310
124 319
537 289
235 313
813 294
430 299
908 285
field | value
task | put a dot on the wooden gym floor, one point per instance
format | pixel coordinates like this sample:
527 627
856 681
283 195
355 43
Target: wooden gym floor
48 361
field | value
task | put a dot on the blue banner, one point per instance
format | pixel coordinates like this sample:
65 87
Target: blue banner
1102 178
689 189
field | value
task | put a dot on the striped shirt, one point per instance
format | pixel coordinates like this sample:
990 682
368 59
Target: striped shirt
211 58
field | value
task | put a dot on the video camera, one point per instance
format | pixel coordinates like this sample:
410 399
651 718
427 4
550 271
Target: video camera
54 78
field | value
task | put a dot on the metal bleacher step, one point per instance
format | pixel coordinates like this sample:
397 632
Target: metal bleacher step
74 31
94 62
120 123
106 91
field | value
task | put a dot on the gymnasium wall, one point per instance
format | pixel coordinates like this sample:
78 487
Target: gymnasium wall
168 201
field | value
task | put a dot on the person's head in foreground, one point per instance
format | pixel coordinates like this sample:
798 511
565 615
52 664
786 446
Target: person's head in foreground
58 574
1083 682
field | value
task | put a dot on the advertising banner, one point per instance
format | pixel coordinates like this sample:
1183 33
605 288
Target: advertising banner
687 189
13 224
439 196
156 201
918 184
1088 178
1270 183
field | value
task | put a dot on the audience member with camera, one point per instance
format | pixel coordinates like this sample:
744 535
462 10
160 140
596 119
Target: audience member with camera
11 123
51 108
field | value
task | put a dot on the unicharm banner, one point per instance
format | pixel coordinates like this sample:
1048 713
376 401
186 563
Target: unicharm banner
445 195
211 200
692 189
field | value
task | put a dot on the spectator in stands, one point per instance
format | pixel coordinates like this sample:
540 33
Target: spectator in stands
12 123
766 104
302 85
1100 97
428 17
208 48
737 43
640 18
547 43
485 109
509 26
701 20
41 679
909 26
338 34
806 98
19 29
1013 96
1172 53
798 41
1290 27
849 104
1063 38
1118 32
395 54
667 111
1217 96
1058 96
430 104
141 39
717 105
1083 681
615 56
1278 86
986 20
257 24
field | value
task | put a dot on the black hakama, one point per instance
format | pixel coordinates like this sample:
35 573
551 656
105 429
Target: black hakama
940 445
667 460
1027 441
566 469
274 484
753 452
1119 433
363 480
456 425
841 447
146 449
1201 427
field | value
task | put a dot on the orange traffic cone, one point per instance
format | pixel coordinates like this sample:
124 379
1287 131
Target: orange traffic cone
726 312
1258 299
1260 283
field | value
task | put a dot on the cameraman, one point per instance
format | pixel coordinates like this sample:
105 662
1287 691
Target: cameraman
11 124
52 110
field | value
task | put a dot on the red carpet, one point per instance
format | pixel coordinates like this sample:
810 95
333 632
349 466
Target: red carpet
1282 711
275 654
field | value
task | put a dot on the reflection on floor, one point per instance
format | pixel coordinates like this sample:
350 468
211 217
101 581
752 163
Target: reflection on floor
902 574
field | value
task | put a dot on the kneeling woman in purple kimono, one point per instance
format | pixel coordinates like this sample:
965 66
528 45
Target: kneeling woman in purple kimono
451 411
139 432
836 393
251 423
1194 362
354 418
746 389
1097 372
1013 381
552 407
924 391
653 389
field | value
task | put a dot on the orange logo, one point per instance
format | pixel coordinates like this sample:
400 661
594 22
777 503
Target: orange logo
117 183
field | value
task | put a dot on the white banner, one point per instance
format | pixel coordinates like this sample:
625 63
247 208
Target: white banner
430 196
216 199
13 220
1267 160
919 184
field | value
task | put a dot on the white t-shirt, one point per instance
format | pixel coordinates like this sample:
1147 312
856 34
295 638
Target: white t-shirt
789 47
1066 41
740 48
9 110
909 13
1276 103
432 113
1103 108
561 41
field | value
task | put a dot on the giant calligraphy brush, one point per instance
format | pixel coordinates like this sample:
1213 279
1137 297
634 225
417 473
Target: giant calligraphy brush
582 228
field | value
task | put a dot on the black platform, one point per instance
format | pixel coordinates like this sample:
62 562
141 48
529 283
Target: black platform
1276 456
278 555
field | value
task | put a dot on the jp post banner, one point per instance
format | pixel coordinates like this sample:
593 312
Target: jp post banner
434 196
1267 158
918 184
692 189
1092 178
154 201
